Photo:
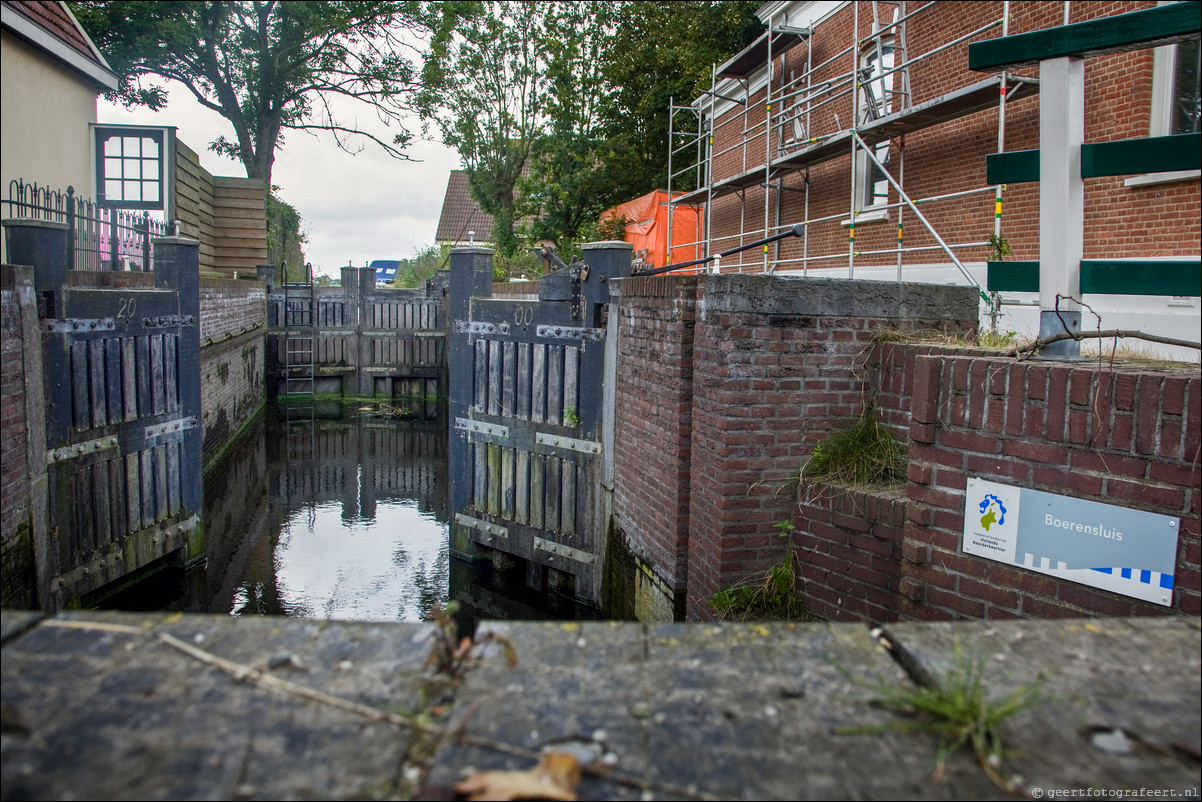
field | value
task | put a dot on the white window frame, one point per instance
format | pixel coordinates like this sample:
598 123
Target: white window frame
1164 73
867 211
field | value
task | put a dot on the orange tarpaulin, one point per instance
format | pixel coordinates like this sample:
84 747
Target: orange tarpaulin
647 230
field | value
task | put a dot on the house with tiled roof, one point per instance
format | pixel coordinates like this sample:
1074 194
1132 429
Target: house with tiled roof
462 221
50 75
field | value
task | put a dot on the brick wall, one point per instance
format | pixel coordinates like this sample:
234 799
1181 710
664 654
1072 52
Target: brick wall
724 385
232 333
1116 435
653 426
18 507
229 307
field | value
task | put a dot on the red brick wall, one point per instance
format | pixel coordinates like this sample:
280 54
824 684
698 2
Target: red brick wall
654 421
1121 436
718 405
717 408
1119 220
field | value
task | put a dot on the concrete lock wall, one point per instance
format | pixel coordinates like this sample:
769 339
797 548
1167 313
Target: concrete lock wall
233 327
726 383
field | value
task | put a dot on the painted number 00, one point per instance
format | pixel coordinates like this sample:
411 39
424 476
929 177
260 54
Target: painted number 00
523 315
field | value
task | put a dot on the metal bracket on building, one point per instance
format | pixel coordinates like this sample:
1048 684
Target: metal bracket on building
182 526
550 546
569 443
479 431
570 333
483 526
161 432
476 327
79 449
168 321
79 324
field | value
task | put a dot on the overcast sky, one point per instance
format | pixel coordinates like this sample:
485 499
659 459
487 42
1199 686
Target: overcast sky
356 207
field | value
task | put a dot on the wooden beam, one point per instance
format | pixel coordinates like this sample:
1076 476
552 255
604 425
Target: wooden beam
1156 154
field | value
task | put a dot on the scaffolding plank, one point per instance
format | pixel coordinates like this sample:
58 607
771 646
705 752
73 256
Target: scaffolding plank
953 105
1118 34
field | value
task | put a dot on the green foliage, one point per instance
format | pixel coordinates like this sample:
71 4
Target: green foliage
417 269
266 67
774 596
483 87
865 453
286 236
570 417
958 709
559 110
1000 340
1000 248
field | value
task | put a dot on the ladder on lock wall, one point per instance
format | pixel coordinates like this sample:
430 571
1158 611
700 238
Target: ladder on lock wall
300 372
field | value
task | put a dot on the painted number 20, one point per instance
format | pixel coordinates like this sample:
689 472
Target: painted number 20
127 307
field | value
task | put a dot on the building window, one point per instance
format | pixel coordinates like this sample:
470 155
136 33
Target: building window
130 167
875 101
1176 96
1186 97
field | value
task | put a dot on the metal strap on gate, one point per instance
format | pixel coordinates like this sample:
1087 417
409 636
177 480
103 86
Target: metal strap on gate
79 449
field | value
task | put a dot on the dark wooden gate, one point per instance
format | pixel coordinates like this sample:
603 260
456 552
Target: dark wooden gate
527 376
121 367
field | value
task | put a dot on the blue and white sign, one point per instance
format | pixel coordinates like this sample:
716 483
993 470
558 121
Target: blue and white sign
1113 548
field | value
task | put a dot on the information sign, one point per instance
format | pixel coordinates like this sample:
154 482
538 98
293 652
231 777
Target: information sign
1101 545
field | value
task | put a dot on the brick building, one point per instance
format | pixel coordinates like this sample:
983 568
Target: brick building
801 122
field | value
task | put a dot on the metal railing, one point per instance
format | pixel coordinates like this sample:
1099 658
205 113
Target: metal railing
99 238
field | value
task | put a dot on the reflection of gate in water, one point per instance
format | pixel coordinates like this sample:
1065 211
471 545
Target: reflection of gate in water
528 418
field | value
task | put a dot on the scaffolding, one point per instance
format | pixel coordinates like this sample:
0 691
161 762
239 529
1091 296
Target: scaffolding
781 135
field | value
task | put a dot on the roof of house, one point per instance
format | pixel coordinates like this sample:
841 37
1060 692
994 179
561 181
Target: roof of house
461 214
53 29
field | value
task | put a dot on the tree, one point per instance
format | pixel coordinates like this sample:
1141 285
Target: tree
559 110
286 238
560 196
661 51
483 88
267 66
424 263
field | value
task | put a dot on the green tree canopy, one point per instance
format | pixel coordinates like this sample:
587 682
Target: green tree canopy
267 66
559 110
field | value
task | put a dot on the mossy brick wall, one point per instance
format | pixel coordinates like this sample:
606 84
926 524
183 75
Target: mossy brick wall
653 431
772 367
232 330
18 575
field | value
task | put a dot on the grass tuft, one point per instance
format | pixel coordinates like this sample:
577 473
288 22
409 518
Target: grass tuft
865 453
958 709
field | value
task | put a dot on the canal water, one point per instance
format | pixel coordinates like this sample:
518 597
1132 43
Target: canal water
343 515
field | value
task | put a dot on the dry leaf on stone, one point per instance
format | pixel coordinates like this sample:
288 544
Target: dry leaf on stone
555 777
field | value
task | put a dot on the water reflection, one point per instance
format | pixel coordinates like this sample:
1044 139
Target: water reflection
347 518
356 523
